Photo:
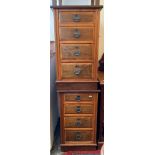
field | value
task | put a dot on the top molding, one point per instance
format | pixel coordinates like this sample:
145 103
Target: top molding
76 6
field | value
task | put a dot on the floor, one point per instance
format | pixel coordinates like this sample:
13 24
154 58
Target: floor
56 146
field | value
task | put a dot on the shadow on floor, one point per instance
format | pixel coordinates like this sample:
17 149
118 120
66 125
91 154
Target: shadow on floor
56 150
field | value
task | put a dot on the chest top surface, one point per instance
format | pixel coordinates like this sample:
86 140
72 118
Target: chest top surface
72 4
76 7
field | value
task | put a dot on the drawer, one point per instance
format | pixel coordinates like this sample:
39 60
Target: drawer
77 34
76 17
78 108
78 122
78 135
76 51
79 97
76 71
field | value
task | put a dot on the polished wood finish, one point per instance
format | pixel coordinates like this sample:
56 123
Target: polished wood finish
79 147
76 71
74 34
78 97
76 52
77 34
75 109
85 108
71 7
74 91
77 38
78 136
76 17
73 85
78 122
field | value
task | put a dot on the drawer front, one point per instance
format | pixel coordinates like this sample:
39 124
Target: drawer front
78 135
78 122
77 108
76 34
77 71
76 17
79 97
76 51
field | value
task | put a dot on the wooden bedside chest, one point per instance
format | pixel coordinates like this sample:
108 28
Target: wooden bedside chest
77 35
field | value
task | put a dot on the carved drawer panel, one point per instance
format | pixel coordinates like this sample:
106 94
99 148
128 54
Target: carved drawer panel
77 34
76 17
78 122
79 97
77 71
78 135
76 52
78 108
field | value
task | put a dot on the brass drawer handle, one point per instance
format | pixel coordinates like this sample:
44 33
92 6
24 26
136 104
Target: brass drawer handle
78 136
78 123
78 109
76 33
77 53
77 70
78 98
76 18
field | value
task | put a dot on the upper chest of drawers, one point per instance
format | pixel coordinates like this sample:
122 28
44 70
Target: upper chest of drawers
77 33
77 26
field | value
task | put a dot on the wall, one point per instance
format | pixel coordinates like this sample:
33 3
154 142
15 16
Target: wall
53 96
54 114
77 2
51 24
101 35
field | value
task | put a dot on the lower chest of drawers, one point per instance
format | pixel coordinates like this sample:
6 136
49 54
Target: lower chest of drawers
78 118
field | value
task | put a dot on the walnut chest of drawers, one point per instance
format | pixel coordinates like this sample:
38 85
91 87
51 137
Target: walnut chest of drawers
77 37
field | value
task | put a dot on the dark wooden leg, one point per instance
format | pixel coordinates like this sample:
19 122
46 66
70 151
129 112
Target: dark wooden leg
97 2
54 2
92 2
60 1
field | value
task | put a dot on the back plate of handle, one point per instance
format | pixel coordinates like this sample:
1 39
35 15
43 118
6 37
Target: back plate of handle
78 123
78 98
76 33
78 109
77 53
77 71
78 136
76 18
